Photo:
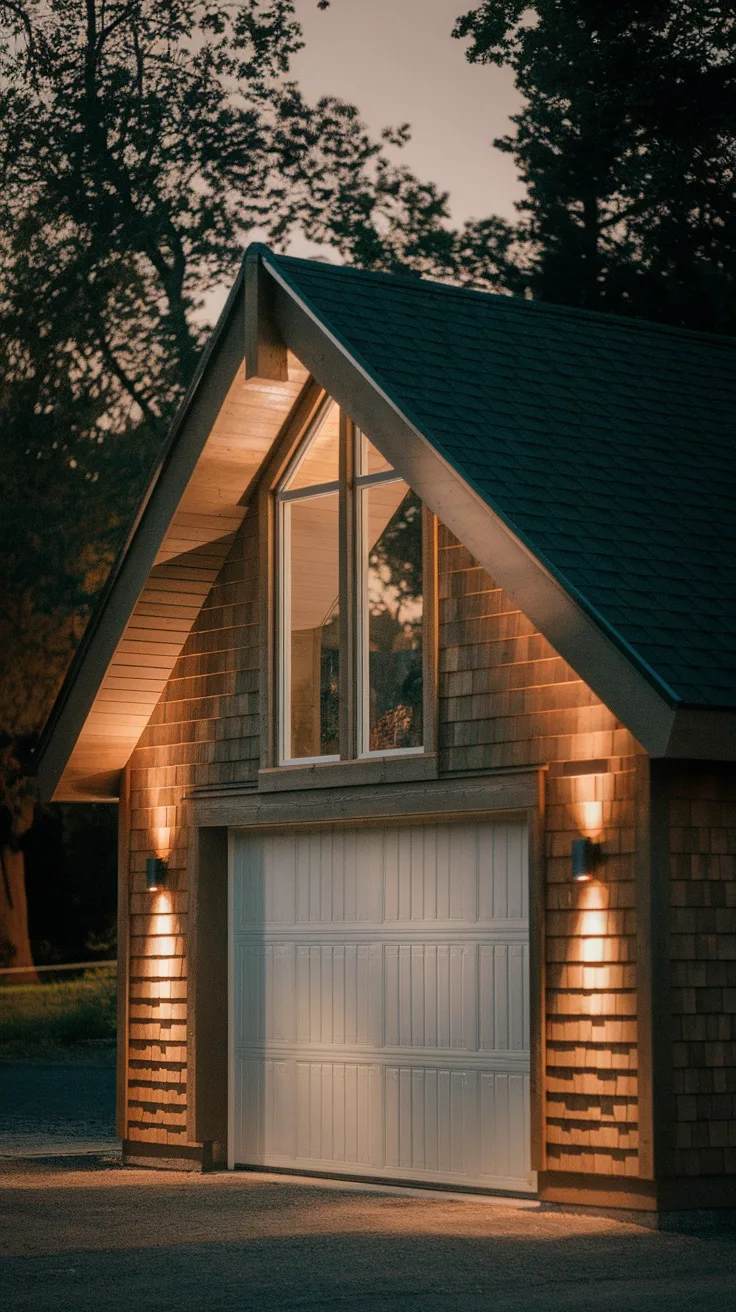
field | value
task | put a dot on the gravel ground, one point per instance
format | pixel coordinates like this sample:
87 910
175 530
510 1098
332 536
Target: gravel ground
79 1233
103 1237
57 1106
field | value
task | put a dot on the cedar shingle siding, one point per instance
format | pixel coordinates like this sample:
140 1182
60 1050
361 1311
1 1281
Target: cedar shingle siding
204 729
506 700
702 818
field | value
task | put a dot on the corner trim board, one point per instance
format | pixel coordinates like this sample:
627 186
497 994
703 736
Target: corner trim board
123 972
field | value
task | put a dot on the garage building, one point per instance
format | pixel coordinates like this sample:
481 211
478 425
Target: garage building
415 684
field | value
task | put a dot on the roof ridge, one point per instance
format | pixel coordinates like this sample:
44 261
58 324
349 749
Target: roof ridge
553 309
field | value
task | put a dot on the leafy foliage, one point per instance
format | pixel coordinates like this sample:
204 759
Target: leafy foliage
141 142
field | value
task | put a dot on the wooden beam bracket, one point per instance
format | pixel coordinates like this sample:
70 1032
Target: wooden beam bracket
265 350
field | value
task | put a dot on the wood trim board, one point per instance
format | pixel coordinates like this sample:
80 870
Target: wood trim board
208 1017
537 979
123 972
490 794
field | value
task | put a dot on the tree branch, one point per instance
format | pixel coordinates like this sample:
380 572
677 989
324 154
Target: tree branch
25 21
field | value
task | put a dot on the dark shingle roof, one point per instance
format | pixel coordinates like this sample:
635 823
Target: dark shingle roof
607 444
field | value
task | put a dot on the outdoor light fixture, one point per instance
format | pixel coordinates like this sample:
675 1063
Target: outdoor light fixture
585 857
155 873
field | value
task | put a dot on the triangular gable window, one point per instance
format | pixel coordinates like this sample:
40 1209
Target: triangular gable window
350 603
318 459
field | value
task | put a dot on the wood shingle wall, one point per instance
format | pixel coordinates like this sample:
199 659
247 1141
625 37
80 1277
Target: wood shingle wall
204 730
508 700
702 846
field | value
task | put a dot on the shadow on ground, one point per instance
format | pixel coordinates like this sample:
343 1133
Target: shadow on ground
58 1105
104 1238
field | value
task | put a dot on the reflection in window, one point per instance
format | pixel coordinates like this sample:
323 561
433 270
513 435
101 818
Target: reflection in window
319 461
311 531
370 460
392 620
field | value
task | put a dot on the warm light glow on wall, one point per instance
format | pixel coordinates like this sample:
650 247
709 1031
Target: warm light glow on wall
162 841
161 907
585 804
590 818
592 921
160 928
161 832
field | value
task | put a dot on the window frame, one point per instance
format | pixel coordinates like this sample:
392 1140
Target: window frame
354 675
285 497
362 484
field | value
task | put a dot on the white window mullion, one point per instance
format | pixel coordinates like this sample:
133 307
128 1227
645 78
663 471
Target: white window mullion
284 636
361 611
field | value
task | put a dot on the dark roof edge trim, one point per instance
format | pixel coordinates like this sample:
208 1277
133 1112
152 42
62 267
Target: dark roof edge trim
521 304
665 691
73 702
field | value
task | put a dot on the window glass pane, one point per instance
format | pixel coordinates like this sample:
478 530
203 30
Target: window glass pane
320 462
370 460
392 521
313 618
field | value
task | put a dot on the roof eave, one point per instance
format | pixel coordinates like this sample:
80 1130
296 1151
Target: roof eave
216 369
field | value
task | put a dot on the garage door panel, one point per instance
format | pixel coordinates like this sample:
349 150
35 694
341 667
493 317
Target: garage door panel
431 1121
339 994
503 1122
503 997
380 1008
430 995
339 1119
279 881
265 994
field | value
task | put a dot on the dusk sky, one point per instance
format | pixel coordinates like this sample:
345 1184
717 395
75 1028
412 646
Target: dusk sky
396 60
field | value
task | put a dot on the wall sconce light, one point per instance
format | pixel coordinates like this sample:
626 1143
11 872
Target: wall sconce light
586 856
156 870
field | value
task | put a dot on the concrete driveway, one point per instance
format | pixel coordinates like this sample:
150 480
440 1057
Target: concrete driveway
89 1235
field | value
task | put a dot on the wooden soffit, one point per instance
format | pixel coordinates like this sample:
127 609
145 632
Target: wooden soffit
183 533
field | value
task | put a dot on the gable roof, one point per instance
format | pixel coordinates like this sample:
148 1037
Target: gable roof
586 461
608 445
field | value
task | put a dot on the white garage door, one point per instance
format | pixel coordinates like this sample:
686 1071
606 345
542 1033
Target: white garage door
380 1017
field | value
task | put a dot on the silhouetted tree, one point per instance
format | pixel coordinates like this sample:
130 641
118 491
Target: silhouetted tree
141 142
626 143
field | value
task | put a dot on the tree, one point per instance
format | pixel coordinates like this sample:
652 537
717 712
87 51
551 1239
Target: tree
141 142
627 146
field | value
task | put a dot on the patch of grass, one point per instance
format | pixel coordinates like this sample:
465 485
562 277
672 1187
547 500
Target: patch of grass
40 1019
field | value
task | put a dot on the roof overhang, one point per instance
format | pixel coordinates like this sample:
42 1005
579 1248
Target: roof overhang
173 554
633 694
197 498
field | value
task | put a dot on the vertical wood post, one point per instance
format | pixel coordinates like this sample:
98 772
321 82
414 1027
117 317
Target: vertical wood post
349 643
265 352
208 994
123 974
663 1099
537 981
430 630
